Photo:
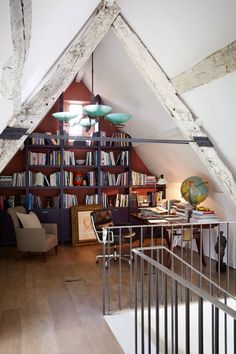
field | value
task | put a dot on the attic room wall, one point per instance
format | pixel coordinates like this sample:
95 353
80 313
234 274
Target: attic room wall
75 92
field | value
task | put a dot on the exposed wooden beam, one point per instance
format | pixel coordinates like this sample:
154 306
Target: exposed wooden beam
211 68
12 71
166 93
62 74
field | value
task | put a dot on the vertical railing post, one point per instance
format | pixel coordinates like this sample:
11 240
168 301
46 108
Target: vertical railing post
142 303
216 330
157 313
165 315
120 286
149 309
187 318
176 316
200 325
136 301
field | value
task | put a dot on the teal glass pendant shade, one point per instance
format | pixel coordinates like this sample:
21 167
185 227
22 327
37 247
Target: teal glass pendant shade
64 116
118 118
87 122
97 110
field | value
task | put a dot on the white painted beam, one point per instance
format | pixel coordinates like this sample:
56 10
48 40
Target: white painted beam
12 72
166 93
62 74
211 68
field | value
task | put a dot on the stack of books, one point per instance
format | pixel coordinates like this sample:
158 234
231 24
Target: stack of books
5 181
180 207
199 216
150 180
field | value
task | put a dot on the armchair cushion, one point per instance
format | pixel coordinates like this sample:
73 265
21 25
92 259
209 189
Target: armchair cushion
29 221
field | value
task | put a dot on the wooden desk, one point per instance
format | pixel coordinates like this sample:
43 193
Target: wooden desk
171 225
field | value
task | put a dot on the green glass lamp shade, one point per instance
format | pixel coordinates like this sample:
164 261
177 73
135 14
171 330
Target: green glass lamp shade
64 116
86 122
97 110
118 118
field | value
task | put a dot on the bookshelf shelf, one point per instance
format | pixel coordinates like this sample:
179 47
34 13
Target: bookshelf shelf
56 164
79 187
44 187
44 167
80 167
13 188
43 147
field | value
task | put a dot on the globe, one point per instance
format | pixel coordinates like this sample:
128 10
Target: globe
194 190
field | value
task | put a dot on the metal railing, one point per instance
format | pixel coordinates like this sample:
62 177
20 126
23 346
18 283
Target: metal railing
172 315
172 279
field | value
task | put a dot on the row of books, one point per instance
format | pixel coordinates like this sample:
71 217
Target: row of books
16 180
122 135
36 202
69 200
115 200
40 158
7 202
139 178
107 158
55 141
41 180
91 199
91 158
111 179
45 141
69 158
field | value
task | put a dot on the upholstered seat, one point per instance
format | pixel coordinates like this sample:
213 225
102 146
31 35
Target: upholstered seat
33 239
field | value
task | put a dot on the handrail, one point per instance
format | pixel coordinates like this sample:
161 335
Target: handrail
201 293
187 265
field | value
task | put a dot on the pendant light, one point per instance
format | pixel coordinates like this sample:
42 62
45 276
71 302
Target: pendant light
97 110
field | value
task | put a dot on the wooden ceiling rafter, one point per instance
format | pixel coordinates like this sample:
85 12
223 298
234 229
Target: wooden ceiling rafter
213 67
60 77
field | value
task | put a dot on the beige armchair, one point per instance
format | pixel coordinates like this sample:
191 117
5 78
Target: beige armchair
33 239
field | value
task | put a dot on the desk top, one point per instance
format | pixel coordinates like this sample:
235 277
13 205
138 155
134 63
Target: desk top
151 218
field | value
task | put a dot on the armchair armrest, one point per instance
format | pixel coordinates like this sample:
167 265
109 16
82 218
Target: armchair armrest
31 240
50 228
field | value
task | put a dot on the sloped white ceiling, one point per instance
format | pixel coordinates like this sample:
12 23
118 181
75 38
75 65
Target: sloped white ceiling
181 33
54 25
215 104
122 87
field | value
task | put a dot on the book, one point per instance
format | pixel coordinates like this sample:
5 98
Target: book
200 212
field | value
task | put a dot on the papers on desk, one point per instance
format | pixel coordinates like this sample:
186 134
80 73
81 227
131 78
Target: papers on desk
159 210
157 221
173 218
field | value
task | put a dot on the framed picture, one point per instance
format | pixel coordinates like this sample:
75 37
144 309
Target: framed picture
82 230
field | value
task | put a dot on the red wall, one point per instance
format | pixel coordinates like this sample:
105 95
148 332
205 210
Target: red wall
75 92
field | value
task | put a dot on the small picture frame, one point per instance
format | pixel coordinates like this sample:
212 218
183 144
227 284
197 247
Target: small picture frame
82 230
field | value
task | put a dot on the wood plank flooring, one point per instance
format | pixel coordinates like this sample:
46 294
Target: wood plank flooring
53 307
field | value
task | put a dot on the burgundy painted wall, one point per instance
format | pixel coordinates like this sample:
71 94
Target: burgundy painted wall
75 92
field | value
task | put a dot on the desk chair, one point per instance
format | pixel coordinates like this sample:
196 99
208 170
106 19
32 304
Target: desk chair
101 220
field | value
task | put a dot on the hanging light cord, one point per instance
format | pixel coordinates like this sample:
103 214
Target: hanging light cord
92 74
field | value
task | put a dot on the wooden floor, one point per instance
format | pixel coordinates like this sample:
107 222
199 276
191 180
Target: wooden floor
55 306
